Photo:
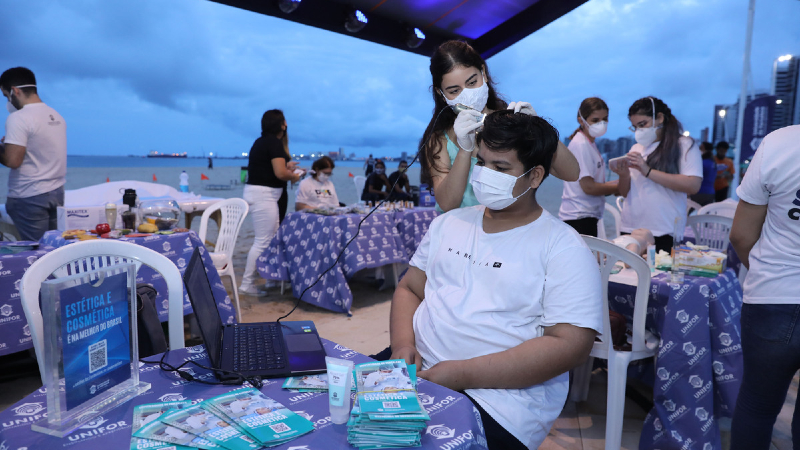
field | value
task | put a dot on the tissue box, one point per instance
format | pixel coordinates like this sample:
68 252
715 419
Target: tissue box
699 260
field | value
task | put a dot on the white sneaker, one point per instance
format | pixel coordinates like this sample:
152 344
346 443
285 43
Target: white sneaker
252 290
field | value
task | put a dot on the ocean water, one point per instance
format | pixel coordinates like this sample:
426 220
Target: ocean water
139 161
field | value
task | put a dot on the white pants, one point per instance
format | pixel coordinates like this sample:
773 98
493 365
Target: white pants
263 203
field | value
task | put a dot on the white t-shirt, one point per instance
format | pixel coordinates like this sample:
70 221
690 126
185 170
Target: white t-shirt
483 295
653 206
316 194
43 133
576 204
773 179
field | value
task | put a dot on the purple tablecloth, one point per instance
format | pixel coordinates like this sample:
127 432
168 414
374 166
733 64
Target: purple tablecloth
699 363
455 423
307 244
15 335
178 248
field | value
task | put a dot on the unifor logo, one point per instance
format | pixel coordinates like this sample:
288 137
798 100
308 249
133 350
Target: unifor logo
477 415
93 389
165 304
166 246
696 381
3 446
662 373
440 431
704 290
94 423
16 284
32 259
196 349
425 399
6 310
708 446
26 330
181 263
171 398
657 424
682 316
701 414
719 368
304 415
298 447
28 409
669 405
725 339
188 242
676 436
689 348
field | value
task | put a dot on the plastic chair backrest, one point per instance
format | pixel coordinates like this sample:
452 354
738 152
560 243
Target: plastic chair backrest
725 209
76 258
607 255
710 230
617 219
233 211
359 181
620 201
692 205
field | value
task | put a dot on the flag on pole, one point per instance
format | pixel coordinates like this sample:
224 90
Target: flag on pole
154 177
108 180
204 177
350 174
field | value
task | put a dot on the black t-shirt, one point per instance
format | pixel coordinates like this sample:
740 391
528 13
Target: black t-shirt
259 167
377 182
400 184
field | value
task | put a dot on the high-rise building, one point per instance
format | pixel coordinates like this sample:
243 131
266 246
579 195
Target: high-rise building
726 119
786 86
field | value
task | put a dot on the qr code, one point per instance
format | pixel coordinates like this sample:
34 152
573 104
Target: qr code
389 405
98 356
280 427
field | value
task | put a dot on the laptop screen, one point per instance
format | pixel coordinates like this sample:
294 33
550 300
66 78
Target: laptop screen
205 308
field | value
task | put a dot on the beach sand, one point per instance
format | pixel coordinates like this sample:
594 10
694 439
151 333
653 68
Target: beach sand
367 331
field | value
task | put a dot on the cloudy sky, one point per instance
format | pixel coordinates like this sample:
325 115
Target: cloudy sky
131 76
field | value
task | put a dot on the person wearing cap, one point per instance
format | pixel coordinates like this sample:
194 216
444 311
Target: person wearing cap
35 149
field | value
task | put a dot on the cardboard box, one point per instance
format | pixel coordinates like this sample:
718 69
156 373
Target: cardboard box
699 262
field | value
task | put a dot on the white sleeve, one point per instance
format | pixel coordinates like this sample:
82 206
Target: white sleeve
16 130
304 193
572 291
583 154
753 190
691 163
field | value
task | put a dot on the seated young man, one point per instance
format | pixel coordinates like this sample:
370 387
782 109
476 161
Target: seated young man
502 299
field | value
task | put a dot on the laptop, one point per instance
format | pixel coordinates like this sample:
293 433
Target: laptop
266 349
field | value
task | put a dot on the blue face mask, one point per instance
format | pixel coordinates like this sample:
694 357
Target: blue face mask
379 171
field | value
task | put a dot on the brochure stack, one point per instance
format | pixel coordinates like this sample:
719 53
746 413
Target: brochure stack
243 419
310 383
388 412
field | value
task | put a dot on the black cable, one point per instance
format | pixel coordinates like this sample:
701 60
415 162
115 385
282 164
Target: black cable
358 229
254 381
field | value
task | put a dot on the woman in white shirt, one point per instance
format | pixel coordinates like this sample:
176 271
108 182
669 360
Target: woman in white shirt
582 202
317 191
661 169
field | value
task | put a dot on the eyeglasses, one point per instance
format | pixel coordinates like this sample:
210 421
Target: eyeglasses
633 128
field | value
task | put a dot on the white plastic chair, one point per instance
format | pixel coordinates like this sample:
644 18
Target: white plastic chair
620 201
359 181
692 205
643 343
233 211
74 258
713 231
617 220
725 209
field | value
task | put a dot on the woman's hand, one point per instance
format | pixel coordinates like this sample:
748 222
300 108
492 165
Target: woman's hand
465 125
291 165
522 107
636 161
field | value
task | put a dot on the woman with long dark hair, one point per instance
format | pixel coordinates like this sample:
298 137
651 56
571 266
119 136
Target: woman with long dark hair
460 75
582 202
268 169
662 168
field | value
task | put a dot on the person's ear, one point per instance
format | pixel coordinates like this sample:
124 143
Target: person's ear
660 119
536 176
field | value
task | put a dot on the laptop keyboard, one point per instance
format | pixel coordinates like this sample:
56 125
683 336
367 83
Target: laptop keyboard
258 348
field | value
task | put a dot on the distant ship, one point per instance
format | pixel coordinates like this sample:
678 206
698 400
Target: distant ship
155 154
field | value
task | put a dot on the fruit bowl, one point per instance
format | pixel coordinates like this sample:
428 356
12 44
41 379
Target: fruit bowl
164 214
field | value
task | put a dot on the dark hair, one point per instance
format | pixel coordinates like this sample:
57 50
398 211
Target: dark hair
723 145
706 150
323 163
272 121
666 157
18 76
588 106
448 56
380 161
402 161
532 137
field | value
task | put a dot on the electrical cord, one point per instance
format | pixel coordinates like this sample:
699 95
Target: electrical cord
254 381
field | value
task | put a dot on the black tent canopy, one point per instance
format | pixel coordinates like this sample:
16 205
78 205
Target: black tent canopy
490 26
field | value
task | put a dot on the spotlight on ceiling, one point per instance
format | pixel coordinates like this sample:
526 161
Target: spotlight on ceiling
355 21
414 37
288 6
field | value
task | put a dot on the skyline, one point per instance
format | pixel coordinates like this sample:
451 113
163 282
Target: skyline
195 76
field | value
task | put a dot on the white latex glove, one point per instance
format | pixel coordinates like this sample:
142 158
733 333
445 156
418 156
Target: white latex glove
522 107
466 123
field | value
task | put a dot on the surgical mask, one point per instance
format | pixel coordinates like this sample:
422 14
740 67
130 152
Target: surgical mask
323 177
379 171
493 189
475 98
596 129
10 106
646 136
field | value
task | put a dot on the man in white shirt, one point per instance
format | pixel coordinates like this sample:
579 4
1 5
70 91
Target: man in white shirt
501 300
35 148
766 236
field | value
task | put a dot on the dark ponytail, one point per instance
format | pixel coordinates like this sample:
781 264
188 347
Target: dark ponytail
588 106
666 157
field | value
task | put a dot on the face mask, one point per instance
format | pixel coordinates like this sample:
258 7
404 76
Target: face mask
474 98
10 107
379 171
646 136
323 177
493 189
402 169
596 129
